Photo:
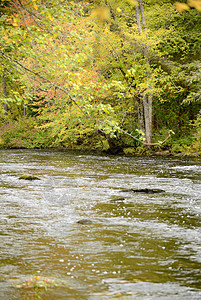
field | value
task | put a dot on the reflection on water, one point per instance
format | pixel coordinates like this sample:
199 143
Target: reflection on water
146 246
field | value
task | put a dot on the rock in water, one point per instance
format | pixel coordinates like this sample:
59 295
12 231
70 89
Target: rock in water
117 200
148 191
84 222
29 177
145 191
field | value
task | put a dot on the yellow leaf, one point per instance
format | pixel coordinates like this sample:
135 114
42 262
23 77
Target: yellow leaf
180 7
132 2
195 3
1 141
101 13
49 16
7 39
35 5
118 9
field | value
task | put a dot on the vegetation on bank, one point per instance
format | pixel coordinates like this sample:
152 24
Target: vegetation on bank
108 75
26 133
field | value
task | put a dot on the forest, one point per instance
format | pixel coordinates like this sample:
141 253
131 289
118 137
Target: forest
119 76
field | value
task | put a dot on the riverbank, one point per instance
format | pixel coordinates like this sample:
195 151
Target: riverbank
27 134
135 152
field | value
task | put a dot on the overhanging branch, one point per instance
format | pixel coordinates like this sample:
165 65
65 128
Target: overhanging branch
18 64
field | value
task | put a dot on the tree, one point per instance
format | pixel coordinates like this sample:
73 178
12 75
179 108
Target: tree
11 96
5 94
56 65
131 58
102 68
145 99
153 68
3 11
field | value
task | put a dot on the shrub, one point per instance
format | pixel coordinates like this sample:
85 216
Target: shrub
24 133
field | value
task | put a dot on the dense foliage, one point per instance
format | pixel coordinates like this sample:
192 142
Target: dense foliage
104 74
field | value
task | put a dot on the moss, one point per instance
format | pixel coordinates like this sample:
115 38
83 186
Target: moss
129 151
29 177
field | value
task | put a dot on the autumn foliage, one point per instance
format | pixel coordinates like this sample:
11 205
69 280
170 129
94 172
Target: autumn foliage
101 73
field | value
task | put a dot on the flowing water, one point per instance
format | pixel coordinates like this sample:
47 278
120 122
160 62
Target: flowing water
138 246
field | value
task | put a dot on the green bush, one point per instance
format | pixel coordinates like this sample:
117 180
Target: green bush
196 146
24 133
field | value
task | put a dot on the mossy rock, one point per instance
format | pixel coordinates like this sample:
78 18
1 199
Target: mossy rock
36 282
84 222
29 177
129 151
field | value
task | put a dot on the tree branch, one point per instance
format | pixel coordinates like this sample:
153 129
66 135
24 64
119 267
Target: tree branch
67 92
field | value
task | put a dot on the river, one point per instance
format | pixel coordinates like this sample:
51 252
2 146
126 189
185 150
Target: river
139 246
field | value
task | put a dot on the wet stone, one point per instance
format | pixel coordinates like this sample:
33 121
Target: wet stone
84 222
117 200
145 191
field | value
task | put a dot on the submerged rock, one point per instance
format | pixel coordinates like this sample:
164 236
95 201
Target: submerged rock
84 222
29 177
41 282
117 200
145 191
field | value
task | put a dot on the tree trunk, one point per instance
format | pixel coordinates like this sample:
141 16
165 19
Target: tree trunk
137 12
5 94
145 104
140 113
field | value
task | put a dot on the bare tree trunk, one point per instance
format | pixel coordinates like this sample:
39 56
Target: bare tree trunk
140 112
147 104
137 12
142 14
5 94
144 112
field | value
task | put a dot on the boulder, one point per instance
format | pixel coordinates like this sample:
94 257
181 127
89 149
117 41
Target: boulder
29 177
